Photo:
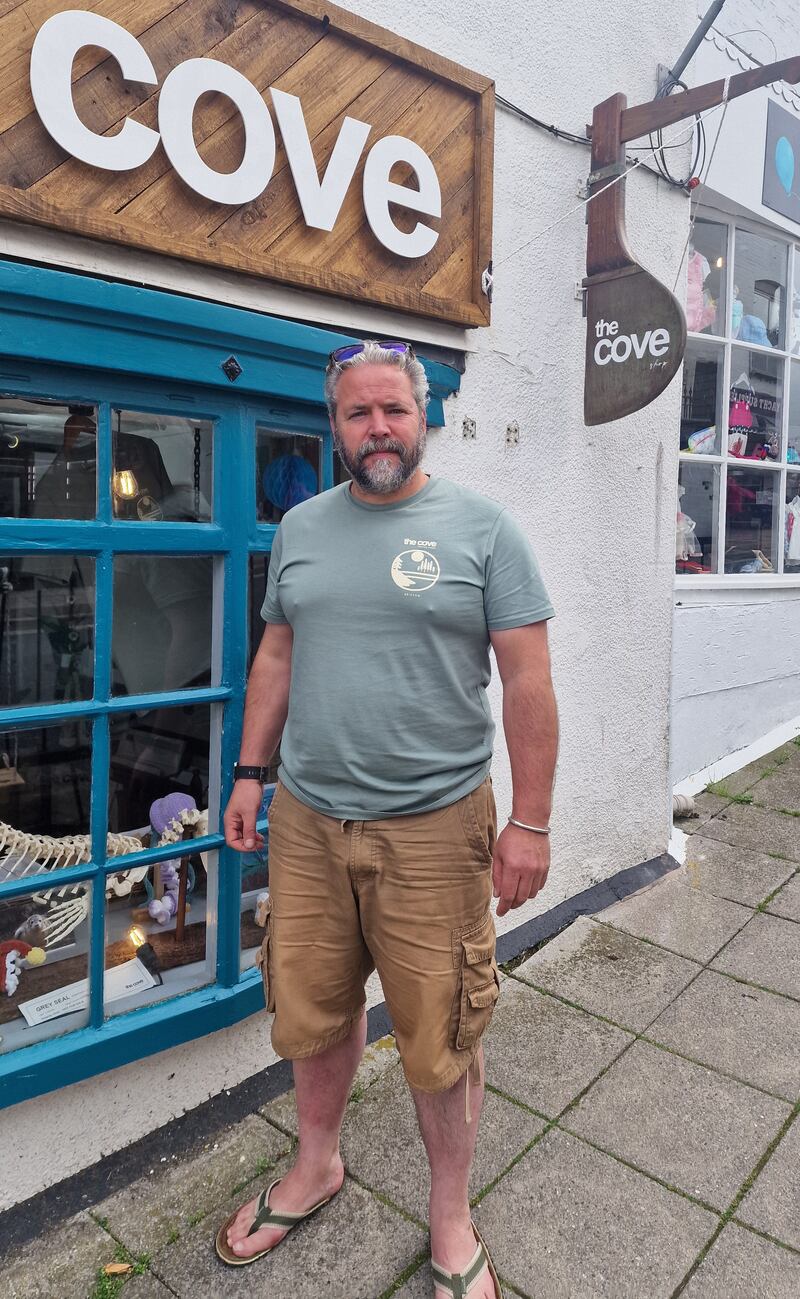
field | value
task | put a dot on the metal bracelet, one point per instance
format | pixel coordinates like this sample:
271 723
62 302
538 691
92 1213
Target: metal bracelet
537 829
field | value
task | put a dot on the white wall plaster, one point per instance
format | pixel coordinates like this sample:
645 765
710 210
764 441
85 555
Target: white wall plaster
598 505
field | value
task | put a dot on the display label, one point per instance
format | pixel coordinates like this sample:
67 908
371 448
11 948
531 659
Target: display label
124 980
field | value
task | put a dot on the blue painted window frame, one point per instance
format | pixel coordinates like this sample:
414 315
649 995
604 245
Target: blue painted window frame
151 350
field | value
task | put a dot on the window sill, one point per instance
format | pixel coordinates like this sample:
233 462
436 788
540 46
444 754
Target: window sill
728 588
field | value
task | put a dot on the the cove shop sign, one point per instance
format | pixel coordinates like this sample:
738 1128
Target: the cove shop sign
288 139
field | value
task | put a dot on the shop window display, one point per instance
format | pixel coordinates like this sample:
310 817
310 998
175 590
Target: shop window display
754 414
793 449
44 965
48 459
698 504
701 403
288 471
705 278
46 628
752 512
154 754
162 468
162 623
791 531
45 789
759 294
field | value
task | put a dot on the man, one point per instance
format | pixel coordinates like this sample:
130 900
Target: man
383 597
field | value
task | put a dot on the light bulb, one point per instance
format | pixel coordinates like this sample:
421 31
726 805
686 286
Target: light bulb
125 484
137 937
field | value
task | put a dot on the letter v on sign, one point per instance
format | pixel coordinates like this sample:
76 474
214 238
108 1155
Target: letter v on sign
321 201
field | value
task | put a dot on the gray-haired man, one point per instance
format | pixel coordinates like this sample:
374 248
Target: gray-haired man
384 597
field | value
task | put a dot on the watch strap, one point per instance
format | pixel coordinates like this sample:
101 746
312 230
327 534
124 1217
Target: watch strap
242 772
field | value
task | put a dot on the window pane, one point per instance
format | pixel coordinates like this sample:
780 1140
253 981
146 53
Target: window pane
754 412
45 775
46 629
156 931
696 536
759 296
48 458
706 271
793 452
791 538
162 622
794 341
751 540
701 408
44 966
288 471
162 468
255 885
153 754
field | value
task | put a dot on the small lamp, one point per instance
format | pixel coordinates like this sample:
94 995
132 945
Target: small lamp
145 952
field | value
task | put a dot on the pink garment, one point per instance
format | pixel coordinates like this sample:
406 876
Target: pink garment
698 313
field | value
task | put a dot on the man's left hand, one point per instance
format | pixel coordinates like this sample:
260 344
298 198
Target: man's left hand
520 866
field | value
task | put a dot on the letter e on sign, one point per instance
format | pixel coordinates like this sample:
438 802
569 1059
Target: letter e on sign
379 192
659 342
53 54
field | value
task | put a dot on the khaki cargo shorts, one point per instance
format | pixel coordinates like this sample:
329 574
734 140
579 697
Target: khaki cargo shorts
408 896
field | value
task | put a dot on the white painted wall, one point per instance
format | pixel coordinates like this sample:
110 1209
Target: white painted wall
735 666
599 504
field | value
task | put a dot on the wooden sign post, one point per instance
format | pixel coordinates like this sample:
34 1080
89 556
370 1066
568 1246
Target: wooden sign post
635 327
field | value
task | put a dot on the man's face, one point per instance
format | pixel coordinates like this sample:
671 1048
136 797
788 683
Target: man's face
379 431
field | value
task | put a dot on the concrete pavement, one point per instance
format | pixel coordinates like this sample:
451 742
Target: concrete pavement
640 1135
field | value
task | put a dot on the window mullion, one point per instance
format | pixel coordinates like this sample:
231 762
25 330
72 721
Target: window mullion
723 476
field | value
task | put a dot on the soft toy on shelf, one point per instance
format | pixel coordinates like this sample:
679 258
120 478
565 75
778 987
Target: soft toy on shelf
167 821
12 953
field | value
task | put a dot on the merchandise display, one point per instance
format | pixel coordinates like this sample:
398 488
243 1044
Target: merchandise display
686 543
792 537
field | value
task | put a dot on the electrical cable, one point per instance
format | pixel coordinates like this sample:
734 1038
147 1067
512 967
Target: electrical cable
584 203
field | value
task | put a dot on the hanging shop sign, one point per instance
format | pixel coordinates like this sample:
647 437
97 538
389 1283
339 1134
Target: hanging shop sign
635 327
781 186
285 138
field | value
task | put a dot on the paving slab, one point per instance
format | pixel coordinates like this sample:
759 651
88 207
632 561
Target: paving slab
780 790
609 972
154 1209
355 1246
767 952
419 1286
753 827
728 871
773 1203
571 1223
544 1053
145 1286
682 919
787 902
381 1145
379 1058
740 1265
751 1034
699 1131
63 1264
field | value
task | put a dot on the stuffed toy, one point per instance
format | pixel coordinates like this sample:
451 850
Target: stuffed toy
12 953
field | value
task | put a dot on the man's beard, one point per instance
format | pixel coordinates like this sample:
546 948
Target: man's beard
383 476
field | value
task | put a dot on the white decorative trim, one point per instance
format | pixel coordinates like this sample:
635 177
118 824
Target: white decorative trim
739 758
746 63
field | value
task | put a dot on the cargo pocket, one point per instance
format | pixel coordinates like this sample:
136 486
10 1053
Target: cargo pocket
479 983
264 960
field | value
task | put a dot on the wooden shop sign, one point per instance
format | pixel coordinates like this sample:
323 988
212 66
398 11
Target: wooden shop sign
285 138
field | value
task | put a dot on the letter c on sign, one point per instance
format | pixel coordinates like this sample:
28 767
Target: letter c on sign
53 54
179 95
604 357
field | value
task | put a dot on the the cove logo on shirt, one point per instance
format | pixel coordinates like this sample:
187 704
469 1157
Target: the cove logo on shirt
415 570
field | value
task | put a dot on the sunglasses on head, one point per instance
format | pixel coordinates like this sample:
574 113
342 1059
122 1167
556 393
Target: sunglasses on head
341 355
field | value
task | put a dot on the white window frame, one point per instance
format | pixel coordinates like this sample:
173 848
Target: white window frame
781 467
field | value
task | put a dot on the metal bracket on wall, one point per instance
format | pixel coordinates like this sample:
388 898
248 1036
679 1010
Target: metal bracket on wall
512 434
469 429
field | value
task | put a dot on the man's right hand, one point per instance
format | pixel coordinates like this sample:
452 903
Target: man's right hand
240 816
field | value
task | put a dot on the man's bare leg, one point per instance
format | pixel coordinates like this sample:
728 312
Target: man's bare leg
322 1086
450 1143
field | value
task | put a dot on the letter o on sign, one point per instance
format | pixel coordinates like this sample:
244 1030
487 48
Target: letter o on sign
621 348
179 95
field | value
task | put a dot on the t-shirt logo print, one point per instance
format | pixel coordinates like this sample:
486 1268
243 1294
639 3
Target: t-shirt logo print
415 570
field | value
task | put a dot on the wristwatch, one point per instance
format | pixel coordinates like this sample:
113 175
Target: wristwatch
241 772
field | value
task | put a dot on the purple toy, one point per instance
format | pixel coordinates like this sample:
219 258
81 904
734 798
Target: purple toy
162 815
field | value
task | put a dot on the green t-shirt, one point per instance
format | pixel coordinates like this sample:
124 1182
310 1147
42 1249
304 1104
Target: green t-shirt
391 608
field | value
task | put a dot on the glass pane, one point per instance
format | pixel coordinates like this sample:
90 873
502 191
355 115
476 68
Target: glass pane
696 536
257 589
162 622
255 886
701 407
156 929
288 471
752 521
155 754
45 775
162 468
755 409
46 629
794 341
791 536
706 271
759 293
44 966
48 456
793 451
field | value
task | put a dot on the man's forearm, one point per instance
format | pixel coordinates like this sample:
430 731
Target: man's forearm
266 706
530 723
